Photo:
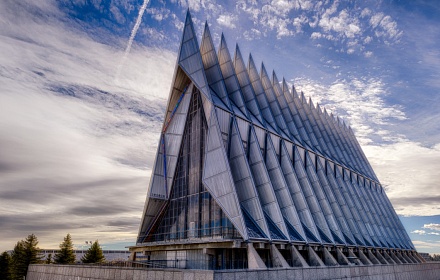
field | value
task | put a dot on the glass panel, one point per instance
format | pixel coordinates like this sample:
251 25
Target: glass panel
192 212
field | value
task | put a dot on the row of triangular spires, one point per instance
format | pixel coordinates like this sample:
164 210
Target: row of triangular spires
286 171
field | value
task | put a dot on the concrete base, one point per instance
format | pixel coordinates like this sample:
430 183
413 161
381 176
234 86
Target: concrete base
425 271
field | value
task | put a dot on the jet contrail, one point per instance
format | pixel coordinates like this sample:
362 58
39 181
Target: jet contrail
132 35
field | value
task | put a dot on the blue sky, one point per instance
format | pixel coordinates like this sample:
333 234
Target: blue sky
80 113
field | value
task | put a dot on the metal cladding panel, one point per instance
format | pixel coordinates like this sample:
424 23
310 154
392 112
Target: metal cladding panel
212 67
380 208
314 126
377 214
261 94
218 181
282 193
284 106
261 136
243 127
190 59
361 210
337 202
323 200
295 113
263 184
273 102
312 201
230 79
244 184
305 122
398 224
395 223
246 87
224 120
368 211
276 141
350 213
328 138
301 154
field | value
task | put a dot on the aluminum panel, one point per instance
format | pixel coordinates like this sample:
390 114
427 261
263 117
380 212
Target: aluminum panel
273 102
328 184
243 180
312 201
212 67
263 184
284 106
281 190
344 200
228 72
245 84
260 94
219 181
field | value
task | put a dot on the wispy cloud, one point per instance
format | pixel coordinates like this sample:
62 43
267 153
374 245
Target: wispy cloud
325 20
432 226
75 145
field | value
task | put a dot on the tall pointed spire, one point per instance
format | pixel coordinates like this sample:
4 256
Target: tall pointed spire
212 67
190 58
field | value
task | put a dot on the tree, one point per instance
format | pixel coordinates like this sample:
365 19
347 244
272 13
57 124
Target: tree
66 254
5 266
25 253
94 254
49 259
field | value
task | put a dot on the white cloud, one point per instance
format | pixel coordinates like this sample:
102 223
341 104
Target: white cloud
227 20
406 169
76 145
368 54
316 35
423 245
417 231
432 226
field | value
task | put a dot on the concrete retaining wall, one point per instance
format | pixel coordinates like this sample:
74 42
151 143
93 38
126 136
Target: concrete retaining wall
426 271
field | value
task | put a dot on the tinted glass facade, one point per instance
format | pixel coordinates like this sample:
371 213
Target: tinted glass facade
191 211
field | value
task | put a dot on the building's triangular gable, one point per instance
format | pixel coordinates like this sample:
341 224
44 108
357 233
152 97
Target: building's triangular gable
244 183
246 86
212 67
